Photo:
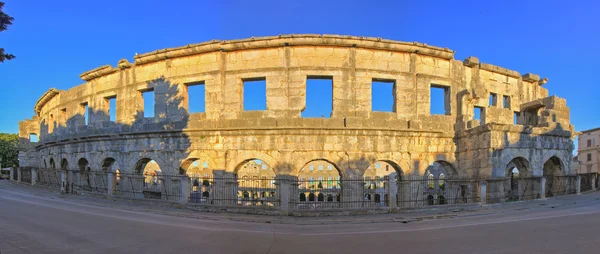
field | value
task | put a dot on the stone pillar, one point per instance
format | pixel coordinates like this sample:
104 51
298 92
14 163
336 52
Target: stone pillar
224 188
63 181
19 174
483 192
284 185
12 174
593 182
392 192
185 189
578 184
543 188
110 184
33 176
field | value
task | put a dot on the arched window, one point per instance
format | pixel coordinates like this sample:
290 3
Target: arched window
321 197
311 197
302 197
430 182
441 183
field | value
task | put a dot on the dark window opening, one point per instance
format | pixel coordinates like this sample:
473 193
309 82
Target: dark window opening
477 113
439 100
493 99
319 97
255 94
589 143
196 96
506 101
516 118
63 116
112 108
149 101
85 112
589 157
33 137
382 95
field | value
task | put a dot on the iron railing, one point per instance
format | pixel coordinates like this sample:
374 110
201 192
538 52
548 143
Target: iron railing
25 175
162 187
561 185
233 191
49 177
587 180
512 189
418 191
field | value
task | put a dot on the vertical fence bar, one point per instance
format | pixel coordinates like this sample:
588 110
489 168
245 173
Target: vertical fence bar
578 184
110 184
483 192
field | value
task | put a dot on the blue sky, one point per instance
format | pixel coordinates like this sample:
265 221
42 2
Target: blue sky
56 41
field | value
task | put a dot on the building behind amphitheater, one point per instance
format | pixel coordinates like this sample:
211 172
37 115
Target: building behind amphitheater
495 124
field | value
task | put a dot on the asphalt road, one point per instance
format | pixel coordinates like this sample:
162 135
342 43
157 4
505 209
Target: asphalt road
32 223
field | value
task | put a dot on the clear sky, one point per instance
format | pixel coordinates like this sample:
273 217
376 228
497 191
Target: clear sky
56 41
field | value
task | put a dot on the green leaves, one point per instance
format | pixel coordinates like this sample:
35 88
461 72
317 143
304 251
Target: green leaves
8 150
5 21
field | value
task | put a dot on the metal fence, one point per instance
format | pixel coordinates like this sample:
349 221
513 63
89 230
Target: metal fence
233 191
92 182
25 175
587 181
49 177
162 187
561 185
418 191
513 189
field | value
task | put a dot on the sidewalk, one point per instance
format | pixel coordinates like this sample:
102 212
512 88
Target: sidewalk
571 201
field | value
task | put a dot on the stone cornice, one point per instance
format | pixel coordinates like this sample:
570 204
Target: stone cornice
98 72
47 96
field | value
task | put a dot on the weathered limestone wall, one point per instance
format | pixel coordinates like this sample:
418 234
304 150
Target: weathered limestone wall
353 138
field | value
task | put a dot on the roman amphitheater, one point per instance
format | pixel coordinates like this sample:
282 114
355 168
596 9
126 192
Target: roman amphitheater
499 136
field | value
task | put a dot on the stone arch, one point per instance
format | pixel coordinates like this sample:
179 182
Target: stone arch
83 164
521 164
52 164
325 161
245 156
64 164
146 165
197 162
320 178
384 168
109 164
553 166
441 166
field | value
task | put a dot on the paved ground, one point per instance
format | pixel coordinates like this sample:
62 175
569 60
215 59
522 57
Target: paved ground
39 221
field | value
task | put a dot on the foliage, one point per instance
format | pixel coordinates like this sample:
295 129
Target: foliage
8 150
5 21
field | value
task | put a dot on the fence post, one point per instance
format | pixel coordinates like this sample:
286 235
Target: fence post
19 174
12 174
578 184
284 195
483 192
543 188
392 193
110 184
63 181
593 180
185 189
33 176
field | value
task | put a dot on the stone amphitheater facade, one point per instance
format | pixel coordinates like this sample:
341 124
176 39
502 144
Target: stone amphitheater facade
522 127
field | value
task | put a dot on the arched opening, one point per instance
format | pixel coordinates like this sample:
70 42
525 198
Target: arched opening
84 171
147 172
440 180
302 197
110 165
45 164
201 177
52 163
376 178
556 184
518 184
257 177
322 177
64 164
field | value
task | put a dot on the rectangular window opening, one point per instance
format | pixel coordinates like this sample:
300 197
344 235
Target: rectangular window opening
589 157
439 100
516 118
589 143
477 113
33 137
506 101
319 97
255 94
148 98
383 95
112 108
63 116
85 112
493 99
196 96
